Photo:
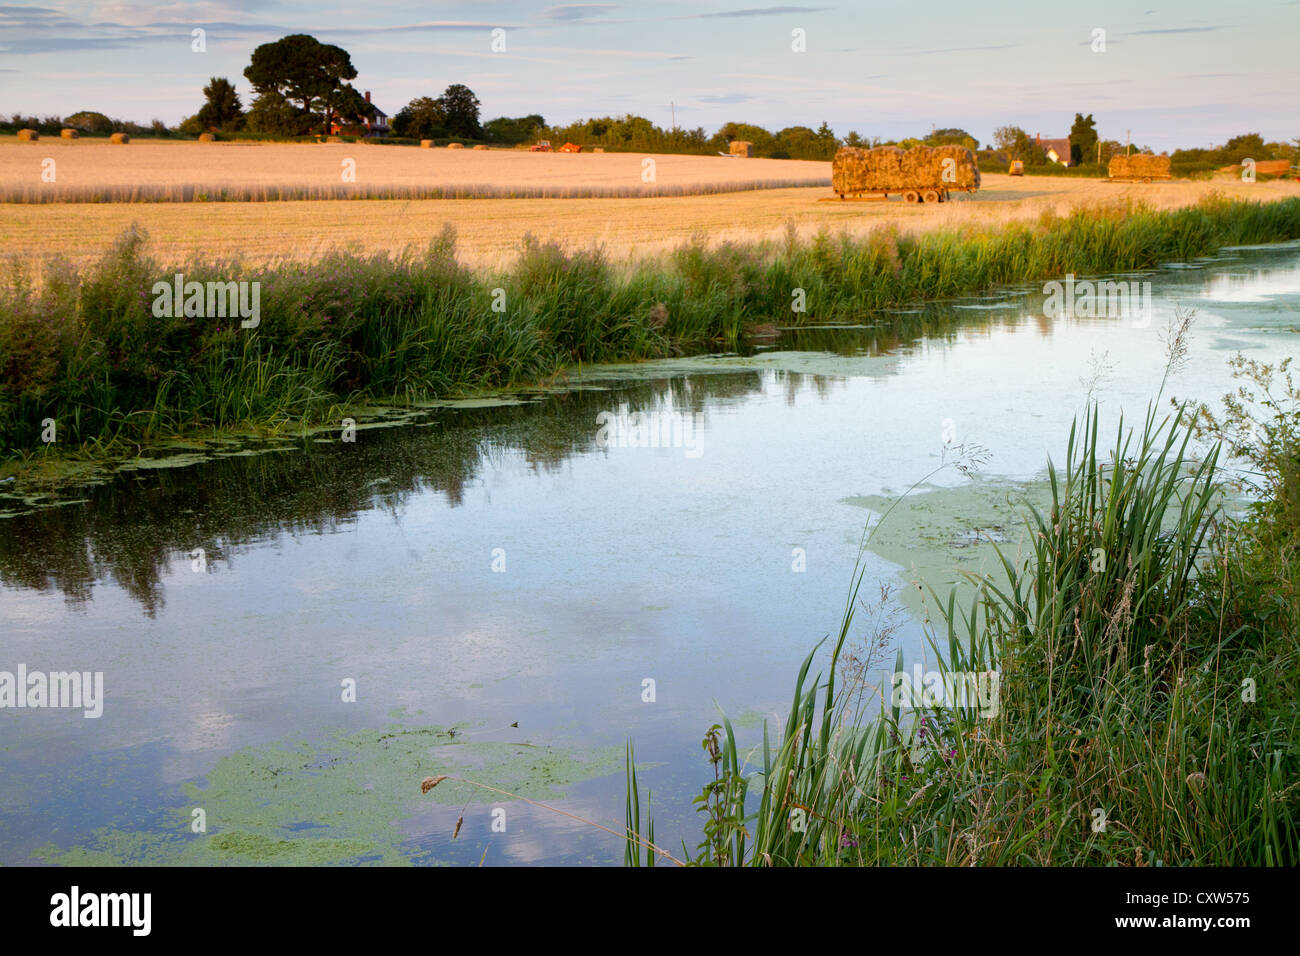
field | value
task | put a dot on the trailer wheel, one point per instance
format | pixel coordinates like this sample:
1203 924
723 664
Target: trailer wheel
931 195
911 196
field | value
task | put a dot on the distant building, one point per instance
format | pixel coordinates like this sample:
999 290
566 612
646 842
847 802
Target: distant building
1057 150
376 125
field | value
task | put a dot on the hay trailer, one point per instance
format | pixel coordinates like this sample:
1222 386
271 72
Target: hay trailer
920 174
1138 167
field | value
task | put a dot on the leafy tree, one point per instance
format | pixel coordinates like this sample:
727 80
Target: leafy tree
221 109
1018 144
1109 149
952 137
460 109
422 118
1248 145
89 121
1083 140
510 131
350 107
274 115
301 69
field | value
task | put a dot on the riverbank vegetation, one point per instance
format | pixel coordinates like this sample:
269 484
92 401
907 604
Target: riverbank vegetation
1148 650
83 348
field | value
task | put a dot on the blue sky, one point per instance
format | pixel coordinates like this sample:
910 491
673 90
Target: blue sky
1191 72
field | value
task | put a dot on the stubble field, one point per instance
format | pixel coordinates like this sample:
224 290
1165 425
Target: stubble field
489 230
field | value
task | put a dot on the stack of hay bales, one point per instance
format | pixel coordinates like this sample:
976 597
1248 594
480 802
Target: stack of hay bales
965 167
861 170
455 145
69 133
481 146
890 169
740 147
426 144
28 135
207 138
598 149
121 139
1140 166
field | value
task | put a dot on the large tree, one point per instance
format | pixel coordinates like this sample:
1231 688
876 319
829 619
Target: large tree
301 69
1083 140
460 111
88 121
221 108
422 118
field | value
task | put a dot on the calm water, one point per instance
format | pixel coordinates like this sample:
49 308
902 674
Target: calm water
496 566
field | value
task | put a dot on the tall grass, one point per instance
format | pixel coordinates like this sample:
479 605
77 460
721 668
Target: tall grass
1133 726
83 348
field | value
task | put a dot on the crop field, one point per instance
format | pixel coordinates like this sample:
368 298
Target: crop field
159 170
489 231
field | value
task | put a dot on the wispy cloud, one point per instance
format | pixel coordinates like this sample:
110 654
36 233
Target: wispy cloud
576 11
1138 33
755 12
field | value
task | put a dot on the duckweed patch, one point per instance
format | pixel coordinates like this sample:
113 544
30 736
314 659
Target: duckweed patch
341 799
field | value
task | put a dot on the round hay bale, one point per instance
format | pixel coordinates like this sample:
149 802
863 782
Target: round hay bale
426 144
207 138
69 133
28 135
121 139
333 139
480 146
455 145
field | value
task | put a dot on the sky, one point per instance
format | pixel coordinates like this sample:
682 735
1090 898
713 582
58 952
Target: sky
1174 72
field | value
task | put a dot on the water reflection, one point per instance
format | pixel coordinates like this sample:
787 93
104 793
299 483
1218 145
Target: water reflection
132 530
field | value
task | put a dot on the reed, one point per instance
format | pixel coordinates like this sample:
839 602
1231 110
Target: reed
1128 730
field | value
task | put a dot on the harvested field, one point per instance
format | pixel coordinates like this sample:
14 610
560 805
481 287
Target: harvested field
490 232
163 171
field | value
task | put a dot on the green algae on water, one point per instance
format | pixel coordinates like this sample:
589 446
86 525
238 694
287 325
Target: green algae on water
337 800
940 535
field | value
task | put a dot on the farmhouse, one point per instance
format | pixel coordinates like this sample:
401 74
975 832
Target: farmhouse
1057 150
376 125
